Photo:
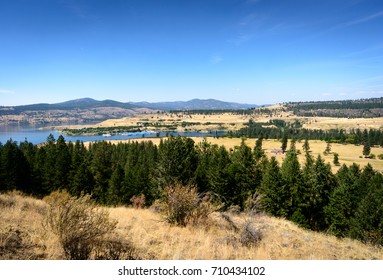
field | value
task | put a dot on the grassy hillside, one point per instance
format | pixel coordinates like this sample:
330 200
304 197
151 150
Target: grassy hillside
223 236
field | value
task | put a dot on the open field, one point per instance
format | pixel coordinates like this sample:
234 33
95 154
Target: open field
348 153
182 122
326 123
164 121
22 236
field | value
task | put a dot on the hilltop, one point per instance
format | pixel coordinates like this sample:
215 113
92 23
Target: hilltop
23 236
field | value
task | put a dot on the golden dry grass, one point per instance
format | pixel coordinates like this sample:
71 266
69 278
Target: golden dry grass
196 122
23 236
281 239
326 123
348 153
155 239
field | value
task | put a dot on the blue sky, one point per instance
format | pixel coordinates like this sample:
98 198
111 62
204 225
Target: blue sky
250 51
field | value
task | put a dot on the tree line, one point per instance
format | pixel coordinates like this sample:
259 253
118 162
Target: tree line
295 131
348 203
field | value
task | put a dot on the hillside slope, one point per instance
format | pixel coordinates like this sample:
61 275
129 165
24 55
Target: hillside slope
23 236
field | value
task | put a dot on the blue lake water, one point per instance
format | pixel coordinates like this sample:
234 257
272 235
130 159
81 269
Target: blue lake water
37 136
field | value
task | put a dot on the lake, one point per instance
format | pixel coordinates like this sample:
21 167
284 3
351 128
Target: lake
37 136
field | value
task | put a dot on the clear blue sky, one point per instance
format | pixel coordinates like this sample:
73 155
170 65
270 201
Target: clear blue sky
253 51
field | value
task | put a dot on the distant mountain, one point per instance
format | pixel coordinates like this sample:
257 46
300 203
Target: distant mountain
88 103
88 110
79 111
83 103
196 104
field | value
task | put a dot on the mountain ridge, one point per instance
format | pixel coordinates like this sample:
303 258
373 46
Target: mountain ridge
86 103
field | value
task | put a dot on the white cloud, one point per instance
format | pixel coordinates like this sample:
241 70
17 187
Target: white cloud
362 20
216 59
6 91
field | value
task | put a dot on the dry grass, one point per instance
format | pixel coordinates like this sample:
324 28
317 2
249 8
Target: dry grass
327 123
22 236
348 153
280 239
21 221
196 122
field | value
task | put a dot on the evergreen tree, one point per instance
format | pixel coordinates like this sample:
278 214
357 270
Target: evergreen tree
258 151
274 193
366 149
204 151
62 164
306 146
242 172
367 225
336 159
292 177
344 200
328 149
14 168
284 142
218 173
101 168
320 182
177 161
115 186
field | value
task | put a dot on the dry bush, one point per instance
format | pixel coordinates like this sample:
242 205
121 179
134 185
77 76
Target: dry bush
77 222
181 202
183 205
138 202
253 204
114 248
250 235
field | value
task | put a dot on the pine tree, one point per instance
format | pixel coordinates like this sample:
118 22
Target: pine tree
258 151
320 182
242 172
115 186
367 225
366 148
292 177
218 174
328 149
336 159
284 142
177 161
306 146
273 190
62 164
14 168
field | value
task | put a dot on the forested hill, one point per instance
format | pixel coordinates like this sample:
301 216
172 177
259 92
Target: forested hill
362 108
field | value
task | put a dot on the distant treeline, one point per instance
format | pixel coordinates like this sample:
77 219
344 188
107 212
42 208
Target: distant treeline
348 203
276 129
362 108
248 111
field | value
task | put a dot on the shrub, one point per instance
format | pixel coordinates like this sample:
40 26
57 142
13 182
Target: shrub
181 201
138 201
250 235
77 222
380 156
183 205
